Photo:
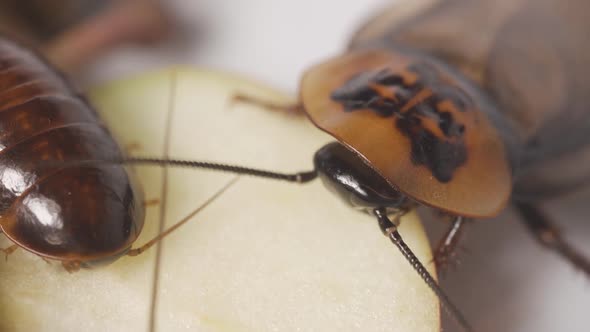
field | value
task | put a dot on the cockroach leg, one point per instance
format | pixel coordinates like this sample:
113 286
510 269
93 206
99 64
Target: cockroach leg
9 250
389 229
159 237
549 236
45 260
239 98
151 202
446 251
71 266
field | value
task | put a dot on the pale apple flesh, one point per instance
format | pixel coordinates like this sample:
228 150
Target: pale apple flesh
264 256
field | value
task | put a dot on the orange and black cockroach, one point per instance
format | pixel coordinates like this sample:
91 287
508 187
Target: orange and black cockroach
465 107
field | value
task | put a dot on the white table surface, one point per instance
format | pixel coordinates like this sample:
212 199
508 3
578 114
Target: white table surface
506 282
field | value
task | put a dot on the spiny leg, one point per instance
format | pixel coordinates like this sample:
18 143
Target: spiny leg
238 98
159 237
389 229
549 236
71 266
446 251
9 250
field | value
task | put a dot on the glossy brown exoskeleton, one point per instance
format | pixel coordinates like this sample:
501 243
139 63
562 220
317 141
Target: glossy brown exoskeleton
78 214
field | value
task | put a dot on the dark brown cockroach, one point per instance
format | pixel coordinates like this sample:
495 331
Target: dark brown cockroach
77 214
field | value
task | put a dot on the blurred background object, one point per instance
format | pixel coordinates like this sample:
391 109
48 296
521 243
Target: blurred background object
72 33
42 20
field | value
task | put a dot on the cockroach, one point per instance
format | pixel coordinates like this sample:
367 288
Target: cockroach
79 214
463 107
98 210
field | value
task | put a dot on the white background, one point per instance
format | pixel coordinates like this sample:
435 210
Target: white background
506 281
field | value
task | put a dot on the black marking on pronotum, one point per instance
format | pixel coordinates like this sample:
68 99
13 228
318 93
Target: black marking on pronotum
358 93
442 153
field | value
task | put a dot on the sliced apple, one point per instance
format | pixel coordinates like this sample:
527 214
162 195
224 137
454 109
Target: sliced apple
265 256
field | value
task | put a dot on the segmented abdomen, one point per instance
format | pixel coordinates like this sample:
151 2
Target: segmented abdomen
75 212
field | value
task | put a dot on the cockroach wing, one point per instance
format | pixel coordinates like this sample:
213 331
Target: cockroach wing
459 32
538 72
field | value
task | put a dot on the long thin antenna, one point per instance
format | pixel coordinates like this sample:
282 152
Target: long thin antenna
390 230
159 237
301 177
164 195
